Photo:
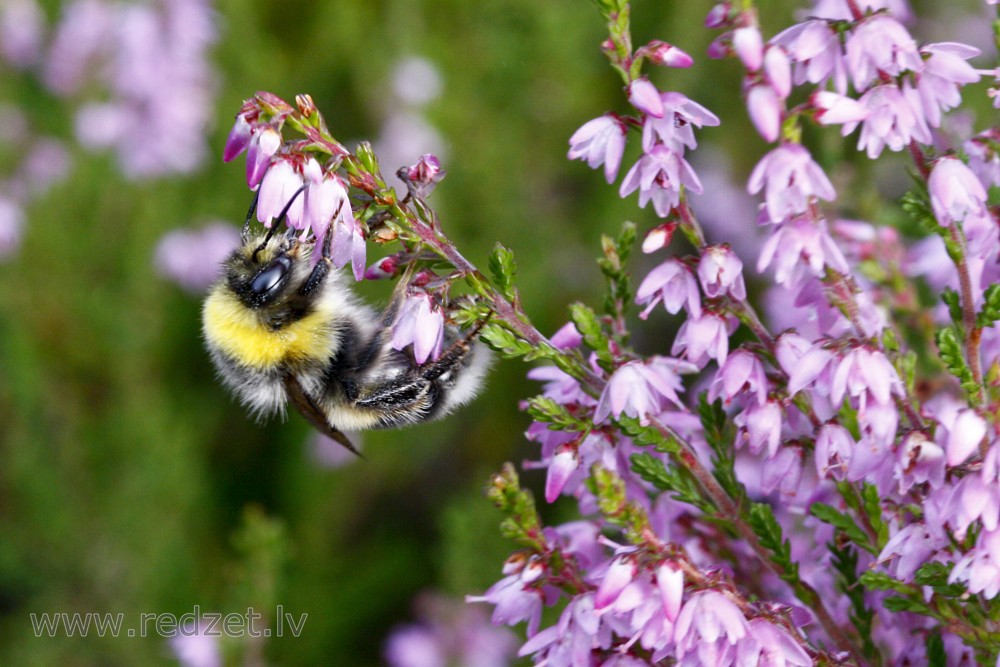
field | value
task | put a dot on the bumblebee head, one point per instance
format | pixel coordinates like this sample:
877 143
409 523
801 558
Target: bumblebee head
263 270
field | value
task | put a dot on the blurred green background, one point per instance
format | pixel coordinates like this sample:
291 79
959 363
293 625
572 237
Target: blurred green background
131 482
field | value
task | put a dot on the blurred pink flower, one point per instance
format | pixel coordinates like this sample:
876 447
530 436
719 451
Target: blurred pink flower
955 192
192 257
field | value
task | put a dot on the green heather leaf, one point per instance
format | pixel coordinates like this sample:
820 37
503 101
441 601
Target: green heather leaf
844 523
503 268
991 307
936 657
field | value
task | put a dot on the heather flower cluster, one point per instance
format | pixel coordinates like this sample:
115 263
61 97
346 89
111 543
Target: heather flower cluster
814 483
811 506
134 76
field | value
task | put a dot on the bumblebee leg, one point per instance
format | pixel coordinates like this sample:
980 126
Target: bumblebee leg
245 235
396 402
415 396
455 354
322 267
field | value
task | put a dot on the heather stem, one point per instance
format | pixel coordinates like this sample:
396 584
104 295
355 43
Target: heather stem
973 333
729 508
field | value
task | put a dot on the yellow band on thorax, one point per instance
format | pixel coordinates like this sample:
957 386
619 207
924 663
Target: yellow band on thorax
237 331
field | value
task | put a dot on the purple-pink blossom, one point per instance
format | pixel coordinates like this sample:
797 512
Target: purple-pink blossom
955 191
880 45
720 272
673 284
600 141
659 176
420 323
895 117
790 178
799 247
642 390
703 338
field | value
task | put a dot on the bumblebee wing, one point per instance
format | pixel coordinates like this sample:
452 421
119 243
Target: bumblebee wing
313 414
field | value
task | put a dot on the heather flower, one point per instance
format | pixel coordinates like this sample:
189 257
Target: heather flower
778 70
721 272
559 386
707 623
421 323
815 50
639 389
880 45
835 109
567 337
703 338
895 117
799 246
964 435
765 107
769 644
577 633
239 138
742 372
670 581
422 176
674 284
82 34
921 461
973 498
984 158
675 127
659 175
600 141
644 96
863 372
980 567
449 632
749 46
839 10
834 446
192 257
668 55
789 177
262 146
514 598
911 547
193 647
945 72
22 25
148 63
760 426
324 199
620 573
11 227
789 349
416 81
564 463
280 184
349 245
955 191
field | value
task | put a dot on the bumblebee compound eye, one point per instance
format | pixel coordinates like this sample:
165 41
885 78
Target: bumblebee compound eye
271 277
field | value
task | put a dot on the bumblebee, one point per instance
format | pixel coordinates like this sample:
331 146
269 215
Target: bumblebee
282 328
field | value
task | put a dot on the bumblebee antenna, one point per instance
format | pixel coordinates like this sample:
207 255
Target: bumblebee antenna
245 235
281 218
